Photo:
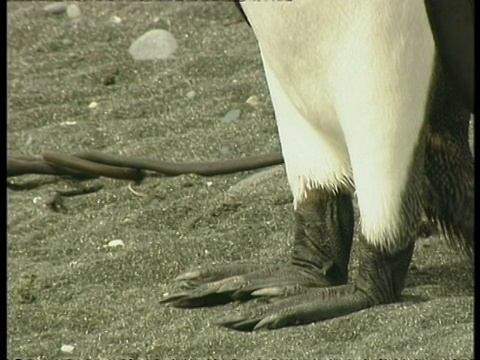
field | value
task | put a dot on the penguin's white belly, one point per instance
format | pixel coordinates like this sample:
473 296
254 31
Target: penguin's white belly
349 82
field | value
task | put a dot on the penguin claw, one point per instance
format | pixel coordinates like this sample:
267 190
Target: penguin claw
266 282
295 297
171 298
270 292
246 323
270 322
192 299
189 275
312 306
241 324
216 272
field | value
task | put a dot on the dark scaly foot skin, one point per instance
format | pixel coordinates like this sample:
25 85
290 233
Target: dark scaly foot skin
381 281
323 239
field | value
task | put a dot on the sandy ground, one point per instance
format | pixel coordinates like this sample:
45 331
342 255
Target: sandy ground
66 287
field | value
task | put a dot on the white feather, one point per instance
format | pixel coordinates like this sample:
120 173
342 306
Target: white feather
349 81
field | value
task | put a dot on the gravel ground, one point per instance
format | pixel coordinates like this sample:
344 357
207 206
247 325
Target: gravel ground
71 295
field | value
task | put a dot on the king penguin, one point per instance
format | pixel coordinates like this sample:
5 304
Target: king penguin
365 109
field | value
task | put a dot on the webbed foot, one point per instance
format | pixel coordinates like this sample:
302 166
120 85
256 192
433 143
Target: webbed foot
308 298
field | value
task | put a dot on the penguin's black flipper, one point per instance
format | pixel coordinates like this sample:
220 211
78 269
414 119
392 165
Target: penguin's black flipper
452 24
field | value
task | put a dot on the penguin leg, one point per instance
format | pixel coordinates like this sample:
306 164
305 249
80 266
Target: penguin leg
389 178
319 174
324 224
358 117
449 195
387 184
380 280
384 257
449 200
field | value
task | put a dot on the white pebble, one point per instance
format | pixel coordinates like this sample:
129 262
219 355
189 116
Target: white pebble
190 94
67 42
93 104
67 349
29 140
115 20
73 11
68 123
116 243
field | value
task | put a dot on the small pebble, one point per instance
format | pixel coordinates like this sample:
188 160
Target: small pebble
115 20
116 243
55 8
191 94
68 123
73 11
93 105
37 199
154 44
67 349
29 140
67 42
231 116
253 101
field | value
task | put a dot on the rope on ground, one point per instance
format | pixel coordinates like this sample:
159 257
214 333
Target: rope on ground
95 164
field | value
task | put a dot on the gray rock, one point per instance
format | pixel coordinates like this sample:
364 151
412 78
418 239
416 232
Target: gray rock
67 42
249 183
154 44
73 11
190 94
55 8
231 116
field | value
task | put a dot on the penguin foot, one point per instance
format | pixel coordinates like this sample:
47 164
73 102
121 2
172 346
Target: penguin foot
323 236
225 283
314 305
297 295
380 280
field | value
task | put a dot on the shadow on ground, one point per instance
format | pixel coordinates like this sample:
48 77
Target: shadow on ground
67 287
